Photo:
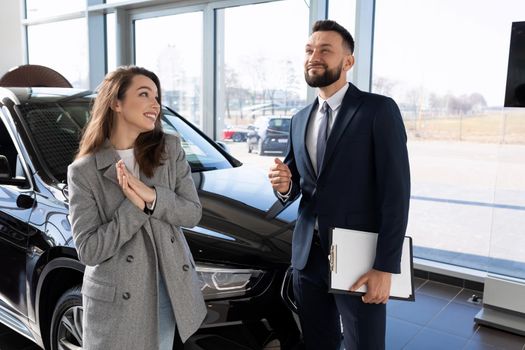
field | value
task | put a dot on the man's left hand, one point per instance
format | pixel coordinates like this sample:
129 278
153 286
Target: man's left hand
377 284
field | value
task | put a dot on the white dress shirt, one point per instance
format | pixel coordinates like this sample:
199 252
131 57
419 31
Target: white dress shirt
334 102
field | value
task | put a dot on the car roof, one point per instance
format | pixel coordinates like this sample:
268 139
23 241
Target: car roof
44 94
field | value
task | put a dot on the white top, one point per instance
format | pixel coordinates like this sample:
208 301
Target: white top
128 156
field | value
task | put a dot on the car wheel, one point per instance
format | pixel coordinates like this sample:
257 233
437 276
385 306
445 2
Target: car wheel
237 137
66 324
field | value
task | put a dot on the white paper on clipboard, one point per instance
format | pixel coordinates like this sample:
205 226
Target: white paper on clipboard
352 254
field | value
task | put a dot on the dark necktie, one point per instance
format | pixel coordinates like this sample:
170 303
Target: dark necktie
322 136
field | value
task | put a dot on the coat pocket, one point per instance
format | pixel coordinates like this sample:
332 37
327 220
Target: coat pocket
98 291
101 315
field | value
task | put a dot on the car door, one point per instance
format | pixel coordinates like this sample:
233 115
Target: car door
16 203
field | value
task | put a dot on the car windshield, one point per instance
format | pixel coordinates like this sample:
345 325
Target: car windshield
55 130
200 153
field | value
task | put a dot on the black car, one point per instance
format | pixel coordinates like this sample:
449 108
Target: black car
242 244
270 135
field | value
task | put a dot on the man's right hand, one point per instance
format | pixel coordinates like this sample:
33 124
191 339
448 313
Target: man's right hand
280 176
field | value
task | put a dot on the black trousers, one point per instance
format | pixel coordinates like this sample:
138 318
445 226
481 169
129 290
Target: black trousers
320 312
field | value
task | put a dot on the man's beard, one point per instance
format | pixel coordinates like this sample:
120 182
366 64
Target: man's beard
329 76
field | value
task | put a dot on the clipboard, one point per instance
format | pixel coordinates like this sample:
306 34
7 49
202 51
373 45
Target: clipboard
352 254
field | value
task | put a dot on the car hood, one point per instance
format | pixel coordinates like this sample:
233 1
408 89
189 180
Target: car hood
243 224
241 216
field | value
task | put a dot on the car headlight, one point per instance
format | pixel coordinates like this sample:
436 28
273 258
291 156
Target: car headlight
224 282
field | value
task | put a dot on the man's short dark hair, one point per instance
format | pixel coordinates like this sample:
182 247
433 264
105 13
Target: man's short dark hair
329 25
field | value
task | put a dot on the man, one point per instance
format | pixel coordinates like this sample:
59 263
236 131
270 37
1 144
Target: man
347 157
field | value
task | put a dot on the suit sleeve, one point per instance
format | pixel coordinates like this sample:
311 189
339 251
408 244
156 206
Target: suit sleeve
392 183
289 160
179 207
95 240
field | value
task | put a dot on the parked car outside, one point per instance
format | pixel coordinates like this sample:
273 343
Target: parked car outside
270 135
236 133
241 246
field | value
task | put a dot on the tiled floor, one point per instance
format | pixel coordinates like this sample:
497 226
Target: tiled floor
442 318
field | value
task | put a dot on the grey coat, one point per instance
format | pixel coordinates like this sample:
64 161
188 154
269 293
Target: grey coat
125 250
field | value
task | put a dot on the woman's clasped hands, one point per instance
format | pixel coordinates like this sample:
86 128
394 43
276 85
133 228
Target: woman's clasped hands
134 189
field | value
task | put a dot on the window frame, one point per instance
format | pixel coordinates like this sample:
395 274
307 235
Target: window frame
25 184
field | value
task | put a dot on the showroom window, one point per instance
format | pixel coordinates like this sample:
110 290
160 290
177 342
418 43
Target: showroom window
175 57
343 12
445 64
260 71
61 46
39 9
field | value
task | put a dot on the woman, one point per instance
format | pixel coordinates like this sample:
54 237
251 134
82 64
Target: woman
130 191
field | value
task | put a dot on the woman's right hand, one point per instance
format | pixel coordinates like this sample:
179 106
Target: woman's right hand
127 190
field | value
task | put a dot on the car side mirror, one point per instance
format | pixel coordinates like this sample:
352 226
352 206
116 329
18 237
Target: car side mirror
5 170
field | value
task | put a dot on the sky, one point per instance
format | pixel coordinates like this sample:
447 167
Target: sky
456 46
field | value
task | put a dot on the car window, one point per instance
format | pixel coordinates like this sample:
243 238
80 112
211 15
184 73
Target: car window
279 124
55 130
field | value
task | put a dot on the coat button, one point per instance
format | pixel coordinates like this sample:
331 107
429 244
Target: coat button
185 267
172 239
126 296
130 258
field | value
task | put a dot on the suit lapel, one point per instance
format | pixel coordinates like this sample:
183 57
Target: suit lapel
349 107
303 122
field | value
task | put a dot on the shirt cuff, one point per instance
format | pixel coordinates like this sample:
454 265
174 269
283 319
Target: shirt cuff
151 206
284 197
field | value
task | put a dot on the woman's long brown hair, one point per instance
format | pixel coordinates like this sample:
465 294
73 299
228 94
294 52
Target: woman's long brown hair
149 146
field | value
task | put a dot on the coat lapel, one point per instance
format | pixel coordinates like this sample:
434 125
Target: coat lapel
156 179
349 107
106 159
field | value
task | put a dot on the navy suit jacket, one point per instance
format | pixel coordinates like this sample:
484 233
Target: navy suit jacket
364 181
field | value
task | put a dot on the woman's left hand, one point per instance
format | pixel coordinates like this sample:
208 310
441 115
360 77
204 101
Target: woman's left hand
145 192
